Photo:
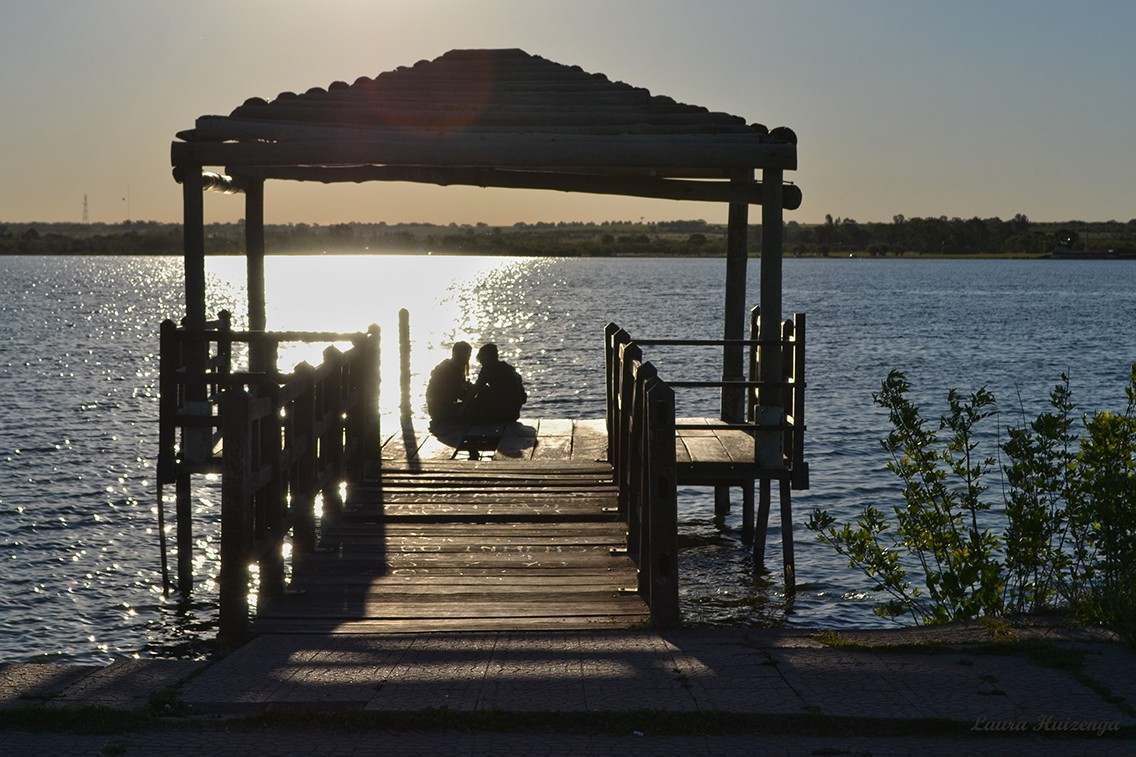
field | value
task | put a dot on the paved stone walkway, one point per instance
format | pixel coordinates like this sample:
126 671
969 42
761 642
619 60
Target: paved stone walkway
572 693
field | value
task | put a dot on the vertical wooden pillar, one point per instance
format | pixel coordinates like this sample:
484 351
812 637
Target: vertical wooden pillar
193 241
195 442
254 263
737 255
404 364
733 355
772 235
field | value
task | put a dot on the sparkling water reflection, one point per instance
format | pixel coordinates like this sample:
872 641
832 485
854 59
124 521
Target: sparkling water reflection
78 374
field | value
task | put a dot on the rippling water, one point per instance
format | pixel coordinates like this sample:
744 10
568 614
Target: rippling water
78 378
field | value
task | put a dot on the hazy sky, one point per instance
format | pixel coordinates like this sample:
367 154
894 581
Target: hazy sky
912 107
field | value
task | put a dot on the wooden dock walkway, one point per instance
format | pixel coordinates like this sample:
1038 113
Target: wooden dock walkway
527 537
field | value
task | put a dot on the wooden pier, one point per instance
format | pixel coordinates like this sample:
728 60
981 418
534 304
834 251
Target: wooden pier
290 438
527 537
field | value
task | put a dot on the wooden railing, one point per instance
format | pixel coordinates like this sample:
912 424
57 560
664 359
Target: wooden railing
641 433
279 441
774 419
774 406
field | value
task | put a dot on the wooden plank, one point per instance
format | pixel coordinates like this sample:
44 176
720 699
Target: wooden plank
555 427
459 544
704 449
738 445
589 440
438 625
553 448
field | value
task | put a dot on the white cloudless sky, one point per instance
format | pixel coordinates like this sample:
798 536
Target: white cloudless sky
964 109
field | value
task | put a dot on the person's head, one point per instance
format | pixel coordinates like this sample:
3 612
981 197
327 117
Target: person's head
487 354
461 351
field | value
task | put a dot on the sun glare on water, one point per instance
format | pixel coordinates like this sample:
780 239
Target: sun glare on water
344 294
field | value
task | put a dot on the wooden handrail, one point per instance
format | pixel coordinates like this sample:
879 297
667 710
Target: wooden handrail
278 440
283 446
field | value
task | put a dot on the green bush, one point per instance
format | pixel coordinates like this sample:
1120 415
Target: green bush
1063 538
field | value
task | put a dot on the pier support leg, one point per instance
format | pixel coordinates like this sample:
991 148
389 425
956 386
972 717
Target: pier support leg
787 539
721 504
184 535
764 499
747 512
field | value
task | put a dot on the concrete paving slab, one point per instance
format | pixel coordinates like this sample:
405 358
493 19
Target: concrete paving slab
22 684
126 684
1008 700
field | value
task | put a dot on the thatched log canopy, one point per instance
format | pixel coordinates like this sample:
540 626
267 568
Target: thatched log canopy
492 118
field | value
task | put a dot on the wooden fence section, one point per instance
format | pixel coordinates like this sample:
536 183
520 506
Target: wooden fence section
641 433
450 545
280 441
767 446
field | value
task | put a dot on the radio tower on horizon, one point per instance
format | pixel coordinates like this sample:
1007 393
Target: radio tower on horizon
86 218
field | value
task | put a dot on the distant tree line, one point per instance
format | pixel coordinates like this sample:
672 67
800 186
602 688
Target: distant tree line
836 236
957 236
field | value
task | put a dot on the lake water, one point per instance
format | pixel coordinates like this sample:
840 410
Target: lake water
81 576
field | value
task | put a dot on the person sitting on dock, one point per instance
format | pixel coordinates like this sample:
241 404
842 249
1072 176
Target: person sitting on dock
449 384
498 394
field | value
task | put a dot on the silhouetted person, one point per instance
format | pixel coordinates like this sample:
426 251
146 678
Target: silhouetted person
449 385
498 394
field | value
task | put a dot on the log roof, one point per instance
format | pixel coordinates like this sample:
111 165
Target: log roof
489 118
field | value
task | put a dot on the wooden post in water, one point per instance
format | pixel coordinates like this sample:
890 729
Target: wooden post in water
233 577
372 378
305 468
662 502
331 438
194 357
772 401
733 355
271 506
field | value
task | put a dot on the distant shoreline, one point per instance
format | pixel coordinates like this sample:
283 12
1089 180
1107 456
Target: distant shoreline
644 255
935 238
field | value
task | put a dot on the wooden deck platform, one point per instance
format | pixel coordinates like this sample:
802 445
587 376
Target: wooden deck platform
527 538
513 526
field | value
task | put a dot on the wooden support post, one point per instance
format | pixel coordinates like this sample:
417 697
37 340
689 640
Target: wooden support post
721 504
747 512
630 355
662 501
641 513
372 380
259 358
613 335
193 236
331 441
273 507
236 517
737 258
787 539
764 501
404 362
184 513
305 468
797 465
733 355
771 241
